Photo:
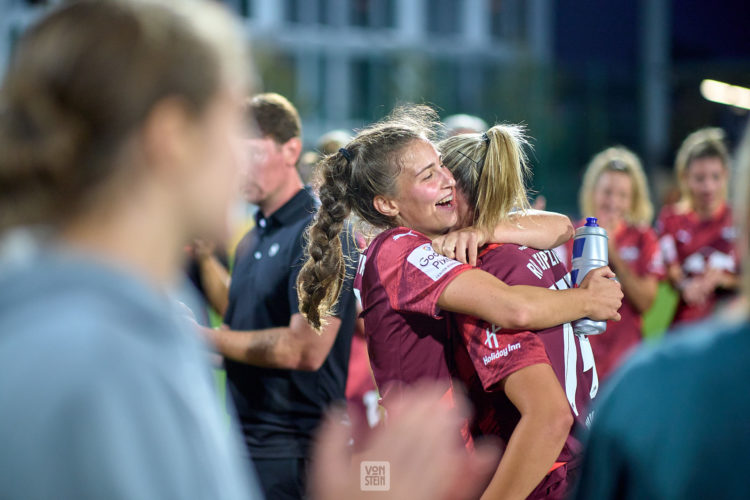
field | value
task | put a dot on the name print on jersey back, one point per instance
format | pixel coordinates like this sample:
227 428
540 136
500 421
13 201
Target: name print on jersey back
541 261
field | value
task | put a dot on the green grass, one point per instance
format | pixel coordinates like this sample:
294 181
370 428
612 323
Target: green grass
657 319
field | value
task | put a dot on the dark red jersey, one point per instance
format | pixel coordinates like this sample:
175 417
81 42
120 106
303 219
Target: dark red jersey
698 245
639 248
399 280
490 353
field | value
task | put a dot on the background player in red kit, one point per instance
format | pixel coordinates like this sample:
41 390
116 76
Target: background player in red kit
392 177
696 234
526 386
615 191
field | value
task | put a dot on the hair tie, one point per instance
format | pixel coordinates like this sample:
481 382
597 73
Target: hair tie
485 138
346 154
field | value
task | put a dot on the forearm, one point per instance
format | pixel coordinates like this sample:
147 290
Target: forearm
216 280
531 452
517 307
640 291
293 347
257 347
535 228
539 436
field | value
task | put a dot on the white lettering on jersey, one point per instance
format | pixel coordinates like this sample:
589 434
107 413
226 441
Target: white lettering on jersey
501 353
541 261
491 341
534 269
427 260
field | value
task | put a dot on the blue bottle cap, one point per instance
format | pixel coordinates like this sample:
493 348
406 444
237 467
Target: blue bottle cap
591 222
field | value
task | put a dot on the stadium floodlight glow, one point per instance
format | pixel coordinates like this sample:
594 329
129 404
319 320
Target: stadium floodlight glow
725 93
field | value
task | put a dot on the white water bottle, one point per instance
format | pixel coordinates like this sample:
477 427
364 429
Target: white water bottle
589 252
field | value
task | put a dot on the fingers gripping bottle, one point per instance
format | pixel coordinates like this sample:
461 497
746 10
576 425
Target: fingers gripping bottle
589 252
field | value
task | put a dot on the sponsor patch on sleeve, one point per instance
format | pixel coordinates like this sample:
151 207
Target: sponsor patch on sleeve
430 262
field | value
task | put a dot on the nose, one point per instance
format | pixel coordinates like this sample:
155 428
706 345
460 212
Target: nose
448 179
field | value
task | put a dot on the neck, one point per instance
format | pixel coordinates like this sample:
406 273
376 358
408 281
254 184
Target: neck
706 212
281 197
137 237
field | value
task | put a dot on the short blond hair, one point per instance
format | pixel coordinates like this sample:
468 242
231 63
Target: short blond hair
703 143
618 159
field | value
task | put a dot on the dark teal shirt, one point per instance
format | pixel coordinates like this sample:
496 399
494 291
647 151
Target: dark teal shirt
675 423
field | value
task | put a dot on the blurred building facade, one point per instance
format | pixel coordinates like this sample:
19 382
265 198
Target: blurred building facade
581 75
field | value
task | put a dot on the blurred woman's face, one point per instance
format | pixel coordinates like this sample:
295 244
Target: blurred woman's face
613 197
426 197
213 174
706 180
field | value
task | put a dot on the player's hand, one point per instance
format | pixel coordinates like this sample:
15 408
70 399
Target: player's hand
462 245
605 294
695 291
203 249
422 446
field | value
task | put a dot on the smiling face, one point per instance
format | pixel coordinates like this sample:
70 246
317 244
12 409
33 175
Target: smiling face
613 197
426 192
706 180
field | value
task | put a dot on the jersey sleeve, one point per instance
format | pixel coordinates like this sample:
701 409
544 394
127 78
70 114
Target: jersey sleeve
413 273
650 260
496 352
665 235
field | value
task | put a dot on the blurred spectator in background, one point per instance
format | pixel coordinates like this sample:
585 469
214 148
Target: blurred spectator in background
674 424
615 191
115 127
696 234
463 124
328 144
281 374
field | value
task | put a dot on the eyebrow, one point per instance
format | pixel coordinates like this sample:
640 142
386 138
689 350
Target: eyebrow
432 164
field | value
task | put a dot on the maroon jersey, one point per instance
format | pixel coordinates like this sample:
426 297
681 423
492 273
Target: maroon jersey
491 353
639 248
698 245
399 280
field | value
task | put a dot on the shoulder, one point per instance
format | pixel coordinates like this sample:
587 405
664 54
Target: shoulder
517 265
397 243
691 361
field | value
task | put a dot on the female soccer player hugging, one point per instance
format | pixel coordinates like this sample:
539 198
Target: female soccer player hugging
530 388
392 177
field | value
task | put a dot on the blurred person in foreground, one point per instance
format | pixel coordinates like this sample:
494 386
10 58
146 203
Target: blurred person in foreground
615 191
674 424
116 120
696 234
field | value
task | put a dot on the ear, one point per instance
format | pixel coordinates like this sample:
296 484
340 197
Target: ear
385 206
291 150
